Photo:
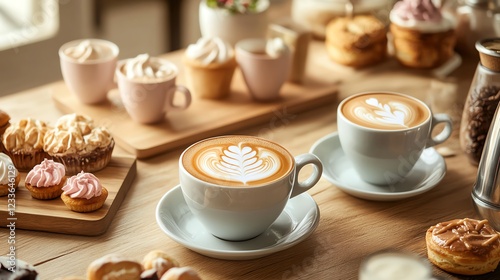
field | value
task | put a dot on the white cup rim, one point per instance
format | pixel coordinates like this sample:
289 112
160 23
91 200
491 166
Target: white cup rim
341 104
263 185
114 48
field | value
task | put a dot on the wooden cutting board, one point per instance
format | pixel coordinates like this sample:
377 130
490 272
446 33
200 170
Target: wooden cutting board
204 118
53 216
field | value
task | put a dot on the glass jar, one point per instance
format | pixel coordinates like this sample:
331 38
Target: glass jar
316 14
482 100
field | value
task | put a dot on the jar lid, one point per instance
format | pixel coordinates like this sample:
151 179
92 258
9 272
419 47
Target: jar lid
489 53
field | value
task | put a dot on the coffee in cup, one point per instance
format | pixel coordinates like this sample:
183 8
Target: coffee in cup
147 88
383 134
237 185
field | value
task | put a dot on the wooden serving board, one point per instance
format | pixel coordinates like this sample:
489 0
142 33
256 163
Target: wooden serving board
54 216
204 118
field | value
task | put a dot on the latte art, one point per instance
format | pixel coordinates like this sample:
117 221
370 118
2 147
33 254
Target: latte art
385 111
237 161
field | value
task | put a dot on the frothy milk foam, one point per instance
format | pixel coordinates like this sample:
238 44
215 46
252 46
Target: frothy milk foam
385 111
237 161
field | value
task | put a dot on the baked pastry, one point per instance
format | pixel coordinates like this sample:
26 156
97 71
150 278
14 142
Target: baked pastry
422 36
78 144
356 41
84 193
9 176
4 123
113 266
23 143
181 273
22 271
209 66
463 246
45 180
158 261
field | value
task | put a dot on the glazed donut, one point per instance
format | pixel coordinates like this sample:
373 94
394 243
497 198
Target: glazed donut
464 246
181 273
113 267
159 261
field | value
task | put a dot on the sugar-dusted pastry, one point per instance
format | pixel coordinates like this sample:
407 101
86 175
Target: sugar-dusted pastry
84 193
209 66
423 37
78 144
181 273
23 143
23 271
464 246
46 180
113 266
4 123
9 176
356 41
159 261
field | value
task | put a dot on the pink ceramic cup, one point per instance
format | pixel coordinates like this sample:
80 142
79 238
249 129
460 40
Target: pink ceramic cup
263 74
89 80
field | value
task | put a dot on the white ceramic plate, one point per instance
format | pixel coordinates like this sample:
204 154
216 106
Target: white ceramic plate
338 170
299 219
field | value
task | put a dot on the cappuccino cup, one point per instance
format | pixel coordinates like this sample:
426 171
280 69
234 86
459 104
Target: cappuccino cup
147 88
383 134
237 186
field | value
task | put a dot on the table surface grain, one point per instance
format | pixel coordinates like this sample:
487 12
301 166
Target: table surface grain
349 228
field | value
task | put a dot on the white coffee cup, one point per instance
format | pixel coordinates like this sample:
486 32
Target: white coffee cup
148 100
89 72
383 134
237 186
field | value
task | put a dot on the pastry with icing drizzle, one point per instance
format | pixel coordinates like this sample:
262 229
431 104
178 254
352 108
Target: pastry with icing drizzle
464 246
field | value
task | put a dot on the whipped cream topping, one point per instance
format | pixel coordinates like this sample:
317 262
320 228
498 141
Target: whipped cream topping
76 134
88 51
144 67
210 50
83 185
420 15
275 47
47 173
25 136
7 169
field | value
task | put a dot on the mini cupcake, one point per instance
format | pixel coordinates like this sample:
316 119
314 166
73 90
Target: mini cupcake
9 176
210 65
45 180
84 193
78 144
423 37
23 143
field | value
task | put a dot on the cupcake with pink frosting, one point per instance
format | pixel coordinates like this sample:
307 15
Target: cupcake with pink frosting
423 36
83 192
45 180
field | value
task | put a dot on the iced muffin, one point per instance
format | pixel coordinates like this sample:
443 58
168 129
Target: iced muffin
84 193
78 144
423 37
9 176
45 180
209 65
23 143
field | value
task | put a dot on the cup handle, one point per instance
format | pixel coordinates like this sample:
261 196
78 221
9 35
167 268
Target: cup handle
301 161
444 134
187 98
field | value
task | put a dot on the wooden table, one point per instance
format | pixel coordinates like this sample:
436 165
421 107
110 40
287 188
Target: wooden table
349 228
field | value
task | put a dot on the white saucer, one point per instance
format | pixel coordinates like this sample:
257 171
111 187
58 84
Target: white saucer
299 219
337 169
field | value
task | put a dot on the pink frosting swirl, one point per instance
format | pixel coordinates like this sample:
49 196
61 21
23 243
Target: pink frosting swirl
83 185
421 10
47 173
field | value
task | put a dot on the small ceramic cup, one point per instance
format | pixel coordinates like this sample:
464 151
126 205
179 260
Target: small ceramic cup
237 186
89 79
383 134
264 74
147 101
